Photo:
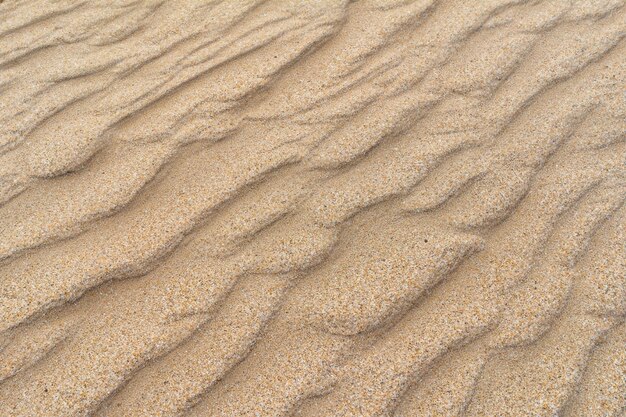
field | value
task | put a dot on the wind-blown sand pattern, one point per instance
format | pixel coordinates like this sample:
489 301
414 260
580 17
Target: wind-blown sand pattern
323 208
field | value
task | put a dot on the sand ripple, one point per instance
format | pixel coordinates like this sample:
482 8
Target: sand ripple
276 208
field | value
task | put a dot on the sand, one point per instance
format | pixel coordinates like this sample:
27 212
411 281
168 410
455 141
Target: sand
312 208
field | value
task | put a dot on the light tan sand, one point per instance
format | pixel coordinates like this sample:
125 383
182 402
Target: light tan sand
312 208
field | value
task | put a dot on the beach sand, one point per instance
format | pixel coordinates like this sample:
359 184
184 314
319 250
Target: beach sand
312 208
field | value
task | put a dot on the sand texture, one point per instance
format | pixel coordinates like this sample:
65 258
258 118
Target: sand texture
313 208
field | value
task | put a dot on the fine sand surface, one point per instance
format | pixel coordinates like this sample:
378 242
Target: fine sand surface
312 208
